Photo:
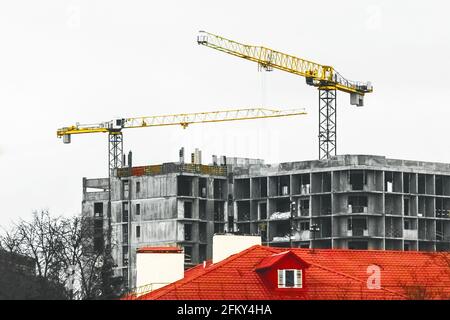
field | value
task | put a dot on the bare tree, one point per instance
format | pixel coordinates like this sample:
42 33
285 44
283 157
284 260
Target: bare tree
40 240
82 262
63 252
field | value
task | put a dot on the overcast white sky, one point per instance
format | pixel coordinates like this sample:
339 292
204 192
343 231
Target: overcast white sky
88 61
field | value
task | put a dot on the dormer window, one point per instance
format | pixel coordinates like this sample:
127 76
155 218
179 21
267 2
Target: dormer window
290 278
284 272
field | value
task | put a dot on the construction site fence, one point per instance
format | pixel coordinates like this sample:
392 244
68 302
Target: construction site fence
172 168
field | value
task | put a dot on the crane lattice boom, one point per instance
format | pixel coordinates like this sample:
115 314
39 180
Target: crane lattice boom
183 119
316 74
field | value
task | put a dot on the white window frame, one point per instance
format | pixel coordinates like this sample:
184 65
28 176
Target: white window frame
298 273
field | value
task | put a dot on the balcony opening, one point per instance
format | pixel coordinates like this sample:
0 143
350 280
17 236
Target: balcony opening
202 253
244 228
304 207
138 231
358 245
125 234
357 226
280 231
393 244
124 255
407 225
283 186
443 231
393 204
426 207
98 226
259 187
125 277
243 210
99 243
357 204
202 210
324 228
426 185
406 182
138 187
125 211
219 228
358 179
262 231
219 214
392 181
220 188
242 188
184 186
262 210
187 254
321 205
281 208
126 189
393 228
202 188
321 182
231 224
138 209
421 184
187 232
187 206
301 183
279 186
304 226
442 208
98 209
202 234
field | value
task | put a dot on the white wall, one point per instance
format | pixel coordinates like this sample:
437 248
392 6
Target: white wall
158 269
229 244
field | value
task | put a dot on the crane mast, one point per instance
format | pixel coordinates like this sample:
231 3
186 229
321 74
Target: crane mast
325 78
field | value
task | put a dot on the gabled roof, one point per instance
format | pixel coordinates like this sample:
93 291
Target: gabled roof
332 274
274 259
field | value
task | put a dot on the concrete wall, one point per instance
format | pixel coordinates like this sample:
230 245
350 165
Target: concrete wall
151 187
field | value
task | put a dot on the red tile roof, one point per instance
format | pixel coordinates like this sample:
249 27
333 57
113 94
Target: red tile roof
332 274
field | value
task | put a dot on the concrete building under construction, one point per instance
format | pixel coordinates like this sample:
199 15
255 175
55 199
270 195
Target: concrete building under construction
347 201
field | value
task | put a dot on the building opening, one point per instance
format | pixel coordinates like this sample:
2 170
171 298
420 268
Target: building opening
184 186
187 209
358 245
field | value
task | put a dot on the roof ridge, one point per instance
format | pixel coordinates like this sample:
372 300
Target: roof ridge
211 268
415 252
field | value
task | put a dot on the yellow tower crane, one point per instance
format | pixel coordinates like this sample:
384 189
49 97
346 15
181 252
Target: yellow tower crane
325 78
114 127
